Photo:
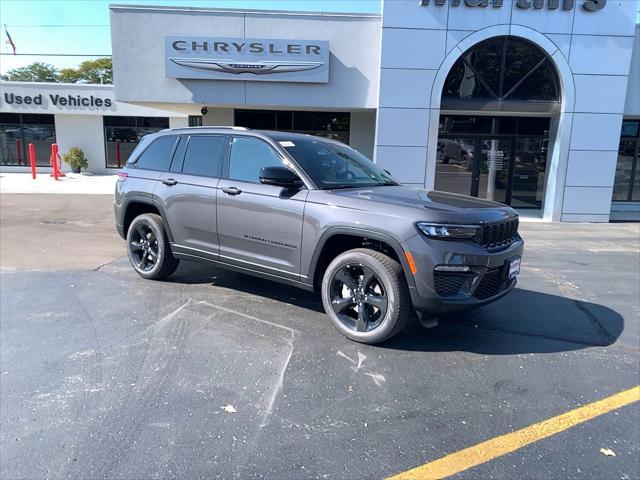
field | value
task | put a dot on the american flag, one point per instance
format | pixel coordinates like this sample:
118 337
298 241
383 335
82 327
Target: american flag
9 39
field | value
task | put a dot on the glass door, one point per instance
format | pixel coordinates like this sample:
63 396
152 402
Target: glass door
491 169
528 176
455 162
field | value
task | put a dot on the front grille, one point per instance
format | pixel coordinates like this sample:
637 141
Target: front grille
492 284
498 235
449 284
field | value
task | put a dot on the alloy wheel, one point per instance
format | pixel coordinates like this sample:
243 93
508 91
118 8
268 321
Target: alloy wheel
144 247
358 297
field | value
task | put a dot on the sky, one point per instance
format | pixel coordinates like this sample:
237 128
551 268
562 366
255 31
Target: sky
82 26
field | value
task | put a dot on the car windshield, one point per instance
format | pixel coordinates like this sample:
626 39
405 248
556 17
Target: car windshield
332 165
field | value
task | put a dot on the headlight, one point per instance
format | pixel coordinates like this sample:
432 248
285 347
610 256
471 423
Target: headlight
447 231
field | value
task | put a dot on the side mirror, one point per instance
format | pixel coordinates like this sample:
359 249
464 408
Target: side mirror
279 176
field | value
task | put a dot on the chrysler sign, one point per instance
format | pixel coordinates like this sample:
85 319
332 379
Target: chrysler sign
255 59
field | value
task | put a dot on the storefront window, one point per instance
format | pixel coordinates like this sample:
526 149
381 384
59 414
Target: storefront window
498 158
122 134
501 70
323 124
626 186
17 131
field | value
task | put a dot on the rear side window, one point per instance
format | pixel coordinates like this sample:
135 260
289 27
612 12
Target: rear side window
248 156
203 155
157 156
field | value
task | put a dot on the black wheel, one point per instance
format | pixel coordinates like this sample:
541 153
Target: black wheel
148 248
365 294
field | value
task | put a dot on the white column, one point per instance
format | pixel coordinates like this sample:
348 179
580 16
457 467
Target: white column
86 132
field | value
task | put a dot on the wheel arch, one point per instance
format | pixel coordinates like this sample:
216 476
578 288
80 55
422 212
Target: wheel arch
139 205
325 251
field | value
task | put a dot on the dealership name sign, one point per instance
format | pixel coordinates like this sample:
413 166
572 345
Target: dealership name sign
57 100
255 59
589 5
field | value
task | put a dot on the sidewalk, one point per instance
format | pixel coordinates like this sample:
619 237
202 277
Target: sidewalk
74 183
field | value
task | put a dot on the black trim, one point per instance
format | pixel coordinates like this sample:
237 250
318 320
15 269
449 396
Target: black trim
247 271
151 201
371 234
511 106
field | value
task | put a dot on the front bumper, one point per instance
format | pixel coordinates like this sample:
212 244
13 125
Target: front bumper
435 293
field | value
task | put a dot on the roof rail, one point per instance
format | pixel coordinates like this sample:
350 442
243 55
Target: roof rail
211 126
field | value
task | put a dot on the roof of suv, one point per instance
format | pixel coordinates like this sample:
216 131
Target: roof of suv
273 134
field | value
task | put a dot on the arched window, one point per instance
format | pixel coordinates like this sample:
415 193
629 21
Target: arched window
502 74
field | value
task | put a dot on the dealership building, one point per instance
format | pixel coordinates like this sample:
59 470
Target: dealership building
532 103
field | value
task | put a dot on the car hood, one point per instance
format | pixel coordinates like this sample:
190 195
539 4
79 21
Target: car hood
433 205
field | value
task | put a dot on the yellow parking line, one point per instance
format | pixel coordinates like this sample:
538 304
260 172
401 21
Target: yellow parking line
498 446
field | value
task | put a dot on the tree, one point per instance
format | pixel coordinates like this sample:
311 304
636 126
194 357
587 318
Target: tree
36 72
89 71
99 70
68 75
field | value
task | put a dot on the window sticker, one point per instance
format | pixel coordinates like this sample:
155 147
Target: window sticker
286 143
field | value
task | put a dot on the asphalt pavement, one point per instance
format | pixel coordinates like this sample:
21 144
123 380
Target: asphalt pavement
214 374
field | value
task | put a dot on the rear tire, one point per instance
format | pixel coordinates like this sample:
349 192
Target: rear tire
365 294
148 248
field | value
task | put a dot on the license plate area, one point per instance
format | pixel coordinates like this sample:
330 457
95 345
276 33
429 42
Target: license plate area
513 267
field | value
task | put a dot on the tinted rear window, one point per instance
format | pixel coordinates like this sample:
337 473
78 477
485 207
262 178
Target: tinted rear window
203 155
157 156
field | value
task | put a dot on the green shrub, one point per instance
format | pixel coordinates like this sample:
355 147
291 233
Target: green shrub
75 158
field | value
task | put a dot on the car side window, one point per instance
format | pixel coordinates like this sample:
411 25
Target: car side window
157 156
248 156
203 155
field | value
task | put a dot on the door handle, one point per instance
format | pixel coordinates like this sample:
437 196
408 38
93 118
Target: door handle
169 181
232 190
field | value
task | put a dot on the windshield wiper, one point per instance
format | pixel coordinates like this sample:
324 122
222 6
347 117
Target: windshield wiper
386 183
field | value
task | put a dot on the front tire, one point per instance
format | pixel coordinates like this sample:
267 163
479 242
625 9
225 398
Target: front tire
148 248
365 294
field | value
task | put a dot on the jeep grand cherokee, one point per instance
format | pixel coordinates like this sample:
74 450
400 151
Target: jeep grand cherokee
316 214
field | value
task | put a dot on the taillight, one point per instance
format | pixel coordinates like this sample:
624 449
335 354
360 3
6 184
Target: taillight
122 176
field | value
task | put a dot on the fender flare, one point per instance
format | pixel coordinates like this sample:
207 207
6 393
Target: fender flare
394 243
152 201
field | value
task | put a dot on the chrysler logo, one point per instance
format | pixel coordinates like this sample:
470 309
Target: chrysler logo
259 59
257 67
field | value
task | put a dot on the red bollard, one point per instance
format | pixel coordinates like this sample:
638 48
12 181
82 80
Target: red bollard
32 160
54 161
118 154
19 151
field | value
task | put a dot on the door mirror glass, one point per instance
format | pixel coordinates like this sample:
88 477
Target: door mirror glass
279 176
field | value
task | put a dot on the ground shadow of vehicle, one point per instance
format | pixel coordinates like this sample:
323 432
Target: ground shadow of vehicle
200 273
524 321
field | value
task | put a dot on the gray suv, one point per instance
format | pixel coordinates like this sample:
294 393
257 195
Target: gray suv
315 214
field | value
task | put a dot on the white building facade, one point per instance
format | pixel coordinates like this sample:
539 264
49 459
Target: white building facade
532 103
588 47
72 115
